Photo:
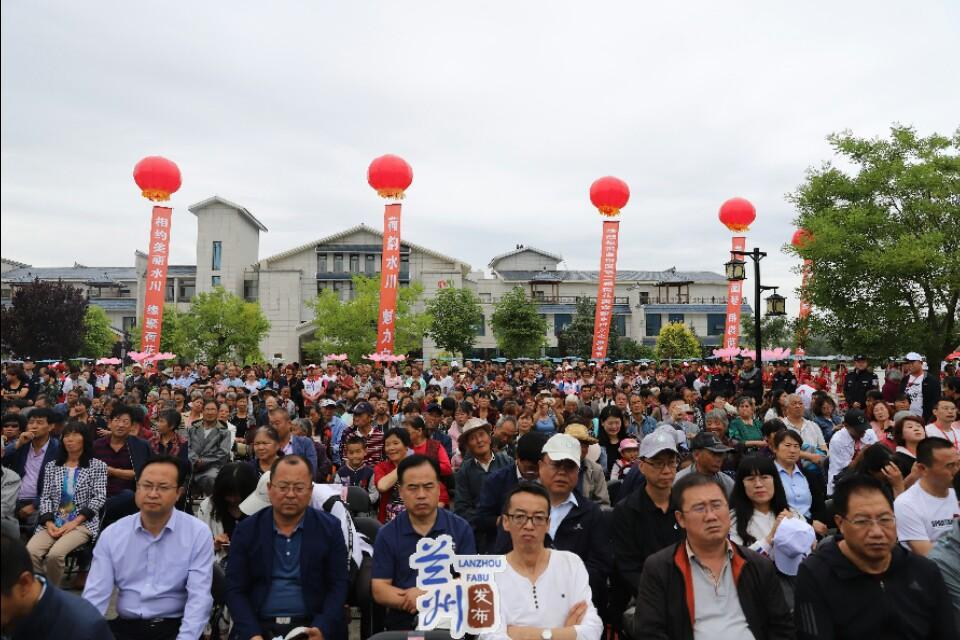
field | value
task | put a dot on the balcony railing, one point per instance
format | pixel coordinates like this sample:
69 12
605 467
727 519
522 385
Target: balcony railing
562 299
685 300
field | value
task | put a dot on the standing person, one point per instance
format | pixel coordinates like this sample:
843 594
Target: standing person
926 511
394 582
945 423
555 581
33 608
866 585
333 429
28 456
74 491
707 586
847 443
286 567
160 561
750 380
922 388
858 382
480 461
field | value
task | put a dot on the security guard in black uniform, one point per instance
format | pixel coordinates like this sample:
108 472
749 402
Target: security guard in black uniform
783 378
858 382
722 383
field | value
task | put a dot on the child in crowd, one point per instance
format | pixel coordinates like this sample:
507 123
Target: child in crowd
353 472
629 450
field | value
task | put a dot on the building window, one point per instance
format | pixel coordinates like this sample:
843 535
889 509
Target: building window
644 297
675 317
321 263
344 290
404 266
354 263
482 327
217 255
716 323
561 321
250 290
215 281
188 289
168 294
486 298
129 322
620 324
369 264
653 322
338 263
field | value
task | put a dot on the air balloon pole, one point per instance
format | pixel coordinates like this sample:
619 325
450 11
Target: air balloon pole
609 195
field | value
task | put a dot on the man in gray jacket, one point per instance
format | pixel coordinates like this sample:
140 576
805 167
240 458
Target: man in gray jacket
208 447
479 461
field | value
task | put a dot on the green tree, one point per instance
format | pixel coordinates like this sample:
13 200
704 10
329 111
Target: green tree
677 341
351 327
171 337
885 228
44 320
98 336
776 331
630 349
519 328
577 338
221 326
455 319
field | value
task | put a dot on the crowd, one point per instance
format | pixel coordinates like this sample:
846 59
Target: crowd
670 500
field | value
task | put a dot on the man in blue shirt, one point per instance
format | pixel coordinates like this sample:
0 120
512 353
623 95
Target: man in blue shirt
394 582
288 563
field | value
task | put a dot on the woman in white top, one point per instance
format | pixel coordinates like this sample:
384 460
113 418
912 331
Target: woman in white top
758 504
543 593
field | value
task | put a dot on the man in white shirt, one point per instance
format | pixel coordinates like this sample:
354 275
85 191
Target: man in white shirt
847 443
312 386
921 388
945 423
926 511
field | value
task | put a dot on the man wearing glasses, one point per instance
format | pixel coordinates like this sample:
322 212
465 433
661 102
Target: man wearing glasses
160 560
866 585
708 586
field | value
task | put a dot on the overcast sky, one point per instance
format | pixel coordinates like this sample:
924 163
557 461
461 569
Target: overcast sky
507 111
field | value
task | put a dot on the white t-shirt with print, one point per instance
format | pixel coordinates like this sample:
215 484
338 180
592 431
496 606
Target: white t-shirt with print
921 516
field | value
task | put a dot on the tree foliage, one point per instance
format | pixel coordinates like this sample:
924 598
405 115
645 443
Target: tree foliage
44 320
455 318
677 341
98 336
885 228
519 328
630 349
221 326
171 337
577 338
351 327
775 331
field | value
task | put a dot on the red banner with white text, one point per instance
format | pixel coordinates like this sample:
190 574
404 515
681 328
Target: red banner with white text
731 332
606 288
389 279
804 314
156 282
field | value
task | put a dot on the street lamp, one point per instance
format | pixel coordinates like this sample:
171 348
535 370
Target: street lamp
776 304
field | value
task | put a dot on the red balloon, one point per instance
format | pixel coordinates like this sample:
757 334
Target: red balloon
737 214
800 238
609 195
390 175
157 177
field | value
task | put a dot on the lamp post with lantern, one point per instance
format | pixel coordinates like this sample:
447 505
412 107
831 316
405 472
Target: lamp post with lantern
776 304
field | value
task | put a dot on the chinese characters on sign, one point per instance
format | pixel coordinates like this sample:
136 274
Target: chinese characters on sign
156 281
804 313
731 332
606 288
466 604
389 279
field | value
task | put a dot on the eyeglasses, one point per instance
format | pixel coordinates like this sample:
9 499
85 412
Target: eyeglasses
565 466
521 519
660 465
716 506
148 487
883 522
286 487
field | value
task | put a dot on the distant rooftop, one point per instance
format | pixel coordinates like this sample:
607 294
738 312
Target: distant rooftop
81 273
622 276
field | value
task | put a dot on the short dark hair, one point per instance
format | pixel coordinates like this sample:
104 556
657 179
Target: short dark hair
400 434
898 428
772 426
874 394
164 458
355 439
783 434
856 483
416 422
124 410
16 562
690 481
173 418
927 446
44 413
532 488
14 418
290 459
75 426
416 460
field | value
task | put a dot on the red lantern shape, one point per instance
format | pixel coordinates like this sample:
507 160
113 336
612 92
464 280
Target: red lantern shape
390 175
609 195
157 178
737 214
800 238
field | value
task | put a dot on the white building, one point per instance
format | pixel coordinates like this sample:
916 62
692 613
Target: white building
228 255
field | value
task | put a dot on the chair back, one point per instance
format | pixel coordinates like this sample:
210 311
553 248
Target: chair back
358 501
368 527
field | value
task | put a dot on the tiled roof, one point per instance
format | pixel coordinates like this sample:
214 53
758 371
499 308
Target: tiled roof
622 276
89 274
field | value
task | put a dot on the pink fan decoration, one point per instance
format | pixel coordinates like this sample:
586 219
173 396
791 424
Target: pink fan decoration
335 357
109 361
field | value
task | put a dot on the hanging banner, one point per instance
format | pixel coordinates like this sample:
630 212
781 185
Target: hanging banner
731 332
804 314
156 283
389 278
606 288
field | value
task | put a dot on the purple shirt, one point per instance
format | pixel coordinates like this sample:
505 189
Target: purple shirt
31 471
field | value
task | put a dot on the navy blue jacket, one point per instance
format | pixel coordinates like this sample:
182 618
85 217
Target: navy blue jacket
494 489
16 459
323 572
59 614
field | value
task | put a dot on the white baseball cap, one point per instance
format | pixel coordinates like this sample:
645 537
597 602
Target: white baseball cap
259 499
662 439
913 356
792 542
563 447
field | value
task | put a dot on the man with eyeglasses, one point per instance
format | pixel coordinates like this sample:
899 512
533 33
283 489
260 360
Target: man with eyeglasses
708 586
394 582
287 566
160 560
866 585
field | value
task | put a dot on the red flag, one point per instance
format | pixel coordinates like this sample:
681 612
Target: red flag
389 279
731 331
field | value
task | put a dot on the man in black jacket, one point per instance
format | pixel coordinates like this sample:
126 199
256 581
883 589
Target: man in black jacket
750 380
921 387
858 382
707 586
866 585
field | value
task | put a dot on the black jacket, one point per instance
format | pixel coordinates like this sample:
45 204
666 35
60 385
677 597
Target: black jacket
751 385
58 614
930 386
723 383
834 599
856 385
666 593
640 529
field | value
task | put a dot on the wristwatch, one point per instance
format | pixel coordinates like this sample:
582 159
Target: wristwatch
546 634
